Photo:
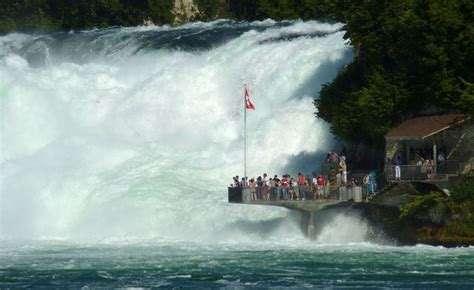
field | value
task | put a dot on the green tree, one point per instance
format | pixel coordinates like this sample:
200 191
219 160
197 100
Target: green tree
209 9
463 190
160 11
412 54
7 24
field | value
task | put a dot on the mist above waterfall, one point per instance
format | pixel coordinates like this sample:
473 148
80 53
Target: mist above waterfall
136 132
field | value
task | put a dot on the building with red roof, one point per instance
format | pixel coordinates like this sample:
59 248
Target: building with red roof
447 140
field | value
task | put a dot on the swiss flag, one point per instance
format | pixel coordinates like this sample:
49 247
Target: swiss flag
248 104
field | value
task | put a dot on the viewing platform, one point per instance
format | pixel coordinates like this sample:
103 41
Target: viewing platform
307 207
301 205
332 195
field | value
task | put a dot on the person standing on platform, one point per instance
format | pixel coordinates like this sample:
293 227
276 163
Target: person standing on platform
320 184
272 189
315 187
252 185
397 162
429 168
293 188
243 183
259 187
441 163
308 187
277 187
265 190
301 182
373 182
343 169
236 181
284 186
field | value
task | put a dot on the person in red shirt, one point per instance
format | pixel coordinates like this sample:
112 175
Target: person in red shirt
321 182
284 186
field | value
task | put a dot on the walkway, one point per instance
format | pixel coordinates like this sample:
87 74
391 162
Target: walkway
302 205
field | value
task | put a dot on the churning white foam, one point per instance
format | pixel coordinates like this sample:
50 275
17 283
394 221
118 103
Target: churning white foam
344 228
99 140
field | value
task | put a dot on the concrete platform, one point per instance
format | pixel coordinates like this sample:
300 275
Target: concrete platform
301 205
307 208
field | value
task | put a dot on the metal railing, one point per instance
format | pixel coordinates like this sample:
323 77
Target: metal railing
423 172
456 166
341 193
238 194
407 172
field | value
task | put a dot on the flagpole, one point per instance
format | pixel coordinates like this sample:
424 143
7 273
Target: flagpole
245 136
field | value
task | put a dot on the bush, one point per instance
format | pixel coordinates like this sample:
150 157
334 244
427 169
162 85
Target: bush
7 24
430 208
462 223
463 190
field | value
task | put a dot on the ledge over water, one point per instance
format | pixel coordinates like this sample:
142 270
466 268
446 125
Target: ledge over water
302 205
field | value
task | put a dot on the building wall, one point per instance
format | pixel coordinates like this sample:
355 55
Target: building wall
460 142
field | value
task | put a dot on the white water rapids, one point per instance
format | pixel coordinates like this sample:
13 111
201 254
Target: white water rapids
125 133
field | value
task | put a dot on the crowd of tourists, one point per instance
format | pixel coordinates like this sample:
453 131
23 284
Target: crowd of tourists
287 187
303 187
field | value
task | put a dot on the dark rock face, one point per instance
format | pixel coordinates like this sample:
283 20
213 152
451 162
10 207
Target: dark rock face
394 196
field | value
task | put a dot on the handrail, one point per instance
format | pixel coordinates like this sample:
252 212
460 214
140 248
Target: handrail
331 193
424 172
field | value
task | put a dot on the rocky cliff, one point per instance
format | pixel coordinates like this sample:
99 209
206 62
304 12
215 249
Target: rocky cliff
417 213
185 10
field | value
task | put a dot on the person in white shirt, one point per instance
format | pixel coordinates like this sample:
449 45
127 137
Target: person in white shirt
293 189
266 188
252 185
315 187
343 169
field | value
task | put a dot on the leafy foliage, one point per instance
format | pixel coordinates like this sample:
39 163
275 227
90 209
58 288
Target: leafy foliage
45 15
431 208
7 24
208 8
463 190
411 55
462 223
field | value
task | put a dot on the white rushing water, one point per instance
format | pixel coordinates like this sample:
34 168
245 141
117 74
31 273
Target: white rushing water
344 228
113 134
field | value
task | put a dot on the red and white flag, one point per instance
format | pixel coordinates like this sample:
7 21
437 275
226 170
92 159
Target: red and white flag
248 104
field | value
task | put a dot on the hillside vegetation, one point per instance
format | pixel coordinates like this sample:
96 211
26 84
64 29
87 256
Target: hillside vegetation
411 56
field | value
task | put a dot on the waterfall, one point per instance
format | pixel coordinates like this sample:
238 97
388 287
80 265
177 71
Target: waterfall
136 132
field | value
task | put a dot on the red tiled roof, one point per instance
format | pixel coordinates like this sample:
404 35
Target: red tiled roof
422 127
